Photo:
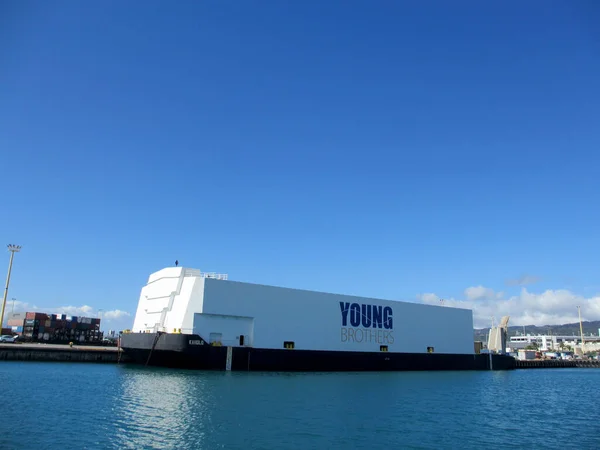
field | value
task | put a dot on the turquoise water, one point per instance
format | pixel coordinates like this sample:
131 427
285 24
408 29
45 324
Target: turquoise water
88 406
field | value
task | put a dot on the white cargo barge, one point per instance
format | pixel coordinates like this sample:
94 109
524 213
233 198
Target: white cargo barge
187 318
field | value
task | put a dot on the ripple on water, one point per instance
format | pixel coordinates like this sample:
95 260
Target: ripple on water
104 406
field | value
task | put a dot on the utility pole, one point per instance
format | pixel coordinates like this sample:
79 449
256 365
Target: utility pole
12 249
581 331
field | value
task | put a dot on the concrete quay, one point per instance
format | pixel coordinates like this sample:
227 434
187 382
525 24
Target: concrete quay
58 352
556 363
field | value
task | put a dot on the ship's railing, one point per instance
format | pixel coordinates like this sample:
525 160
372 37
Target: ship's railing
172 330
218 276
199 273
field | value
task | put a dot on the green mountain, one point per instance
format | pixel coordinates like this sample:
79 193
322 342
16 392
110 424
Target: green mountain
568 329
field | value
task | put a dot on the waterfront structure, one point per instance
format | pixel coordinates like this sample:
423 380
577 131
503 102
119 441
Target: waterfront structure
546 342
525 355
497 337
188 318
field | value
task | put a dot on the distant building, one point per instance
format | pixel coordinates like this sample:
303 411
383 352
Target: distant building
525 355
553 343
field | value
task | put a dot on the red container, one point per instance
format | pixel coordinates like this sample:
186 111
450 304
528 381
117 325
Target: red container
36 316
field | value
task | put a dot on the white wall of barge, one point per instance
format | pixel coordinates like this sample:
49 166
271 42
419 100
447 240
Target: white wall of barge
268 316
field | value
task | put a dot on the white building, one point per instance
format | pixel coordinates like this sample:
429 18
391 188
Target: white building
553 343
525 355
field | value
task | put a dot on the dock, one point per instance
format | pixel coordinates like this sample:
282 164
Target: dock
63 353
556 363
114 355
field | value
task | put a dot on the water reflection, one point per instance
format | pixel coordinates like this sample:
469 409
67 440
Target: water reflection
157 408
118 407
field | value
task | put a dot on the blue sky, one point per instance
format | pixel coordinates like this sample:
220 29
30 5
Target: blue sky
388 149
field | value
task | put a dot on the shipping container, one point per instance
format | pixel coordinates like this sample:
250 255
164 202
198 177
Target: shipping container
17 329
36 316
16 316
15 322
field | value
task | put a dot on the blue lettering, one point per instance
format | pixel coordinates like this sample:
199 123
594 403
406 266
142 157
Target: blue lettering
377 317
387 318
355 314
344 307
366 316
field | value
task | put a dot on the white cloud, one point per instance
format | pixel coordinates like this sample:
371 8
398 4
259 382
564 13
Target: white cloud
115 314
16 306
84 310
430 299
528 308
88 311
481 293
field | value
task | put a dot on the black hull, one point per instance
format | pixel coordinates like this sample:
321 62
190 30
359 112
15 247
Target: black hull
175 350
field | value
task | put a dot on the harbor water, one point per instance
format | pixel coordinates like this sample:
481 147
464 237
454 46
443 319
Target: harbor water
89 406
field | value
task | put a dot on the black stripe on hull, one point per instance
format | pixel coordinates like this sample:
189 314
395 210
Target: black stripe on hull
172 350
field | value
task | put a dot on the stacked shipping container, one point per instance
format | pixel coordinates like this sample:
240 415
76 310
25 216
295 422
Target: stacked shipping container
58 328
15 323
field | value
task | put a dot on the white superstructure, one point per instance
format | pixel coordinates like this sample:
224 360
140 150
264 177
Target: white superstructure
231 313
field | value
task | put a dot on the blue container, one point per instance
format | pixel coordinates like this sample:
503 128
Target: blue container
73 318
17 329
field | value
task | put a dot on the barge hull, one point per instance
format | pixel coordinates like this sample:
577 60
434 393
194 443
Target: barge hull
192 352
